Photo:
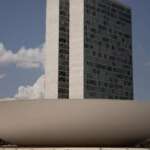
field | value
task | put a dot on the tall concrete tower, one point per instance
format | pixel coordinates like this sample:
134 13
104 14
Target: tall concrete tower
89 49
57 49
51 48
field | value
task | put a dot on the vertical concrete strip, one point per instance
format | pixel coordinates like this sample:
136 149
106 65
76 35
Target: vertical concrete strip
76 66
52 49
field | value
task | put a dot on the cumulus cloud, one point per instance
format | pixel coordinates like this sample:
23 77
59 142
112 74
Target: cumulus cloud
35 91
23 58
27 59
2 76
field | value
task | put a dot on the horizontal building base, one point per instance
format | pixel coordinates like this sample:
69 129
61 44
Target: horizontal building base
74 148
75 123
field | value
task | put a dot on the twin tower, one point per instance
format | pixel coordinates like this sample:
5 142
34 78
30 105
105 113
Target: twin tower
88 49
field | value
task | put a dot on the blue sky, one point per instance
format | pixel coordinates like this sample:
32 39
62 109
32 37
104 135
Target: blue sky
22 28
22 25
141 47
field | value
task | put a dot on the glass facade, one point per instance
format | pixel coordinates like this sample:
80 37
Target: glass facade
63 80
107 50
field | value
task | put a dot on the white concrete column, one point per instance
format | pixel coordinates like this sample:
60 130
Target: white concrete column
52 49
76 66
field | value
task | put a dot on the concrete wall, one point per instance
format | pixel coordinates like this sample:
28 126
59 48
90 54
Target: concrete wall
74 123
76 56
52 49
76 85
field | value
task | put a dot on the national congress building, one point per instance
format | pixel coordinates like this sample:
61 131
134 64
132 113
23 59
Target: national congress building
88 49
88 55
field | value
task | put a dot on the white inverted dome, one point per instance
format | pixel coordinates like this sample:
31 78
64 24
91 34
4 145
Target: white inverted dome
74 122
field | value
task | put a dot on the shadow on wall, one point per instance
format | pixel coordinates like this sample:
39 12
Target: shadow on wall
4 143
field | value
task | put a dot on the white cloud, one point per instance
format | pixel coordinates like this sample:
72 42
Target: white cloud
2 76
23 58
35 91
26 59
